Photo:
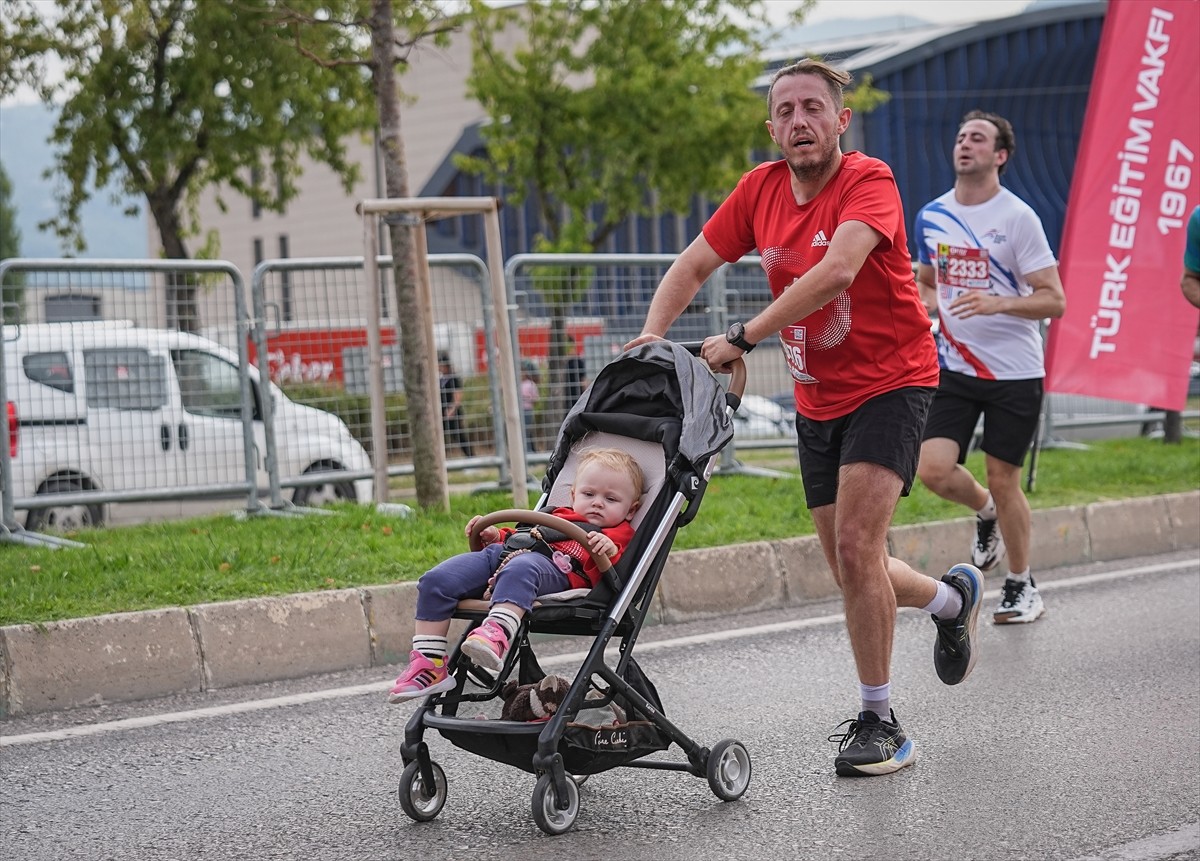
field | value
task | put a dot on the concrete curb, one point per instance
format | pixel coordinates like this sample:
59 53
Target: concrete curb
135 656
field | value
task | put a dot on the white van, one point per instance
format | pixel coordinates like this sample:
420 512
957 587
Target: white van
111 407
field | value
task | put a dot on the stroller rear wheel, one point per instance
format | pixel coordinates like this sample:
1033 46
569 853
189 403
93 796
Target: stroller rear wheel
422 803
546 812
728 769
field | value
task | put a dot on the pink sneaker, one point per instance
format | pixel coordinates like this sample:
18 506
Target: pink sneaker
487 646
423 676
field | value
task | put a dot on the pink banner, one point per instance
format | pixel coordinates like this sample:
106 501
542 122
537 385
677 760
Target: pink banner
1128 334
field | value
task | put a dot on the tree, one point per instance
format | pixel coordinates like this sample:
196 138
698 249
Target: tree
612 109
167 97
172 96
12 291
368 35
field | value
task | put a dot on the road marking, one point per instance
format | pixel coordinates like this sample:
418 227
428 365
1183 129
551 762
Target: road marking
1157 847
554 660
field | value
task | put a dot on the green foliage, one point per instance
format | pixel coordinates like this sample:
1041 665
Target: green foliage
222 558
167 97
617 108
12 292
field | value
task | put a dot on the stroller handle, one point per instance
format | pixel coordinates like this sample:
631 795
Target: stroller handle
737 373
540 518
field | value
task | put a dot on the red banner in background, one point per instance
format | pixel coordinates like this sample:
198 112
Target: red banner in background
1128 334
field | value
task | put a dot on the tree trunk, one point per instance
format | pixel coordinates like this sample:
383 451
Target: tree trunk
182 309
420 384
1173 427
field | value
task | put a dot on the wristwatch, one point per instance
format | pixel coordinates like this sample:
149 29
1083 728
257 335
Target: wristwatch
737 336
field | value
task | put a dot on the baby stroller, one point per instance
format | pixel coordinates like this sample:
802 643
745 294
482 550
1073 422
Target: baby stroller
663 406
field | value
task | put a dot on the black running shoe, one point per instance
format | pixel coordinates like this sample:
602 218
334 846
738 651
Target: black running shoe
954 649
871 746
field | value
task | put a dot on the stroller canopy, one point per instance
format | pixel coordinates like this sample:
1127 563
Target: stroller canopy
653 391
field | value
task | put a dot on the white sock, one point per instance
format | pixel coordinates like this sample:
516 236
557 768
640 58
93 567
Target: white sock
988 512
875 698
947 603
506 619
1022 577
430 646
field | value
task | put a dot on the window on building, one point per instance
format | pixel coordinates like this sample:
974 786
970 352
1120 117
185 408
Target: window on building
71 307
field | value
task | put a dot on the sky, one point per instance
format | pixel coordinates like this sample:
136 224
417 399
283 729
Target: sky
935 11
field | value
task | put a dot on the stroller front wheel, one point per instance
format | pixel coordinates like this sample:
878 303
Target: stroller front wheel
546 812
422 803
728 769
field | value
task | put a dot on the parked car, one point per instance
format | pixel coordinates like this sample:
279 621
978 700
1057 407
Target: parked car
110 407
763 418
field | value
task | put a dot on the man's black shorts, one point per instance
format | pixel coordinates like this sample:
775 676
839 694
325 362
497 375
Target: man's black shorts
886 430
1010 410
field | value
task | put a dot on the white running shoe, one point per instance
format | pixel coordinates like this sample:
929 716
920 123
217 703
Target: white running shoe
988 549
1020 603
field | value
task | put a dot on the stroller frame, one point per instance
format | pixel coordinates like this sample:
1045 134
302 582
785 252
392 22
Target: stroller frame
616 608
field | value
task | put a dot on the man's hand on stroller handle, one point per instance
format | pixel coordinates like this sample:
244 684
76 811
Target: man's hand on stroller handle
644 338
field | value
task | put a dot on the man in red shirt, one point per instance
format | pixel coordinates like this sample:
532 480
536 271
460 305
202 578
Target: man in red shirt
830 230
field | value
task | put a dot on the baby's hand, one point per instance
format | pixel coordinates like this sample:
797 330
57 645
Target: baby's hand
602 544
487 535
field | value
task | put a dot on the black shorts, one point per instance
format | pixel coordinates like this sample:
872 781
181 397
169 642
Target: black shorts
1010 408
886 430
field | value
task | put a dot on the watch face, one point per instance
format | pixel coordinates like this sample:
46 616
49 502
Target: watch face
736 332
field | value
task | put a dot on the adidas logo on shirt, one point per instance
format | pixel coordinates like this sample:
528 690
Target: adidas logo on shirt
819 240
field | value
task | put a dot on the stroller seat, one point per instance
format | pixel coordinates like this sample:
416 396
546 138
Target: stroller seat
650 456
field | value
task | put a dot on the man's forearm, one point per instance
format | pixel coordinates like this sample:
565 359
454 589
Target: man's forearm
1190 285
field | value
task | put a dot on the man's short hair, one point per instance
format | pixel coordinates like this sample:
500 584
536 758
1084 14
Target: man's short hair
1006 138
836 79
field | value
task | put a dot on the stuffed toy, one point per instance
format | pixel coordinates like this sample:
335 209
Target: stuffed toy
534 702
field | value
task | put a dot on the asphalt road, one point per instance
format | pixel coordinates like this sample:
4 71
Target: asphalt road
1076 738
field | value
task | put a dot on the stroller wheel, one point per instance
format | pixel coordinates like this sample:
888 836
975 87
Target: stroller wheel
422 803
728 769
580 779
546 812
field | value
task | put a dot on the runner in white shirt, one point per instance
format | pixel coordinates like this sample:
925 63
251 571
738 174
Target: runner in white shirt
987 269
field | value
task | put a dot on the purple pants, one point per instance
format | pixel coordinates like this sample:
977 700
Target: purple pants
465 576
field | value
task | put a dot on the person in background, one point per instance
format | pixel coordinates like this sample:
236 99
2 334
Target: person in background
529 399
1190 282
451 387
994 281
575 373
829 228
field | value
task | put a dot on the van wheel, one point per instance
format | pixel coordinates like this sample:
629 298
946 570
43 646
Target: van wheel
322 494
63 518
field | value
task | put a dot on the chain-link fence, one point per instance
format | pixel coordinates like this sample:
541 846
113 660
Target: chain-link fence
134 389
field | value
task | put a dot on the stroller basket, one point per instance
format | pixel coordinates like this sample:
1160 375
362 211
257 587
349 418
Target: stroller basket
584 749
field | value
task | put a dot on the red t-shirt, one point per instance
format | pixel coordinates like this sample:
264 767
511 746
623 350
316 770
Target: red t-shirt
621 535
872 338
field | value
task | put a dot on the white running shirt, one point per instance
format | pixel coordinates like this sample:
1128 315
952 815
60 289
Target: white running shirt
989 246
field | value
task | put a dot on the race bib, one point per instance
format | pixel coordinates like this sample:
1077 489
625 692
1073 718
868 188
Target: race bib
792 340
960 269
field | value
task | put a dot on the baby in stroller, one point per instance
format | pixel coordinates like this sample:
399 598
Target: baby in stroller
515 566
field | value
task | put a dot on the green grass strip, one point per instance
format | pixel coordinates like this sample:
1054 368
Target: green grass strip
221 558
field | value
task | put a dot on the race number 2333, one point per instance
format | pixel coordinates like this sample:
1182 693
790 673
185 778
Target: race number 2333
962 268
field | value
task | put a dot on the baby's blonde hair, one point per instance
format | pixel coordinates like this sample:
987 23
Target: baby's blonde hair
616 460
